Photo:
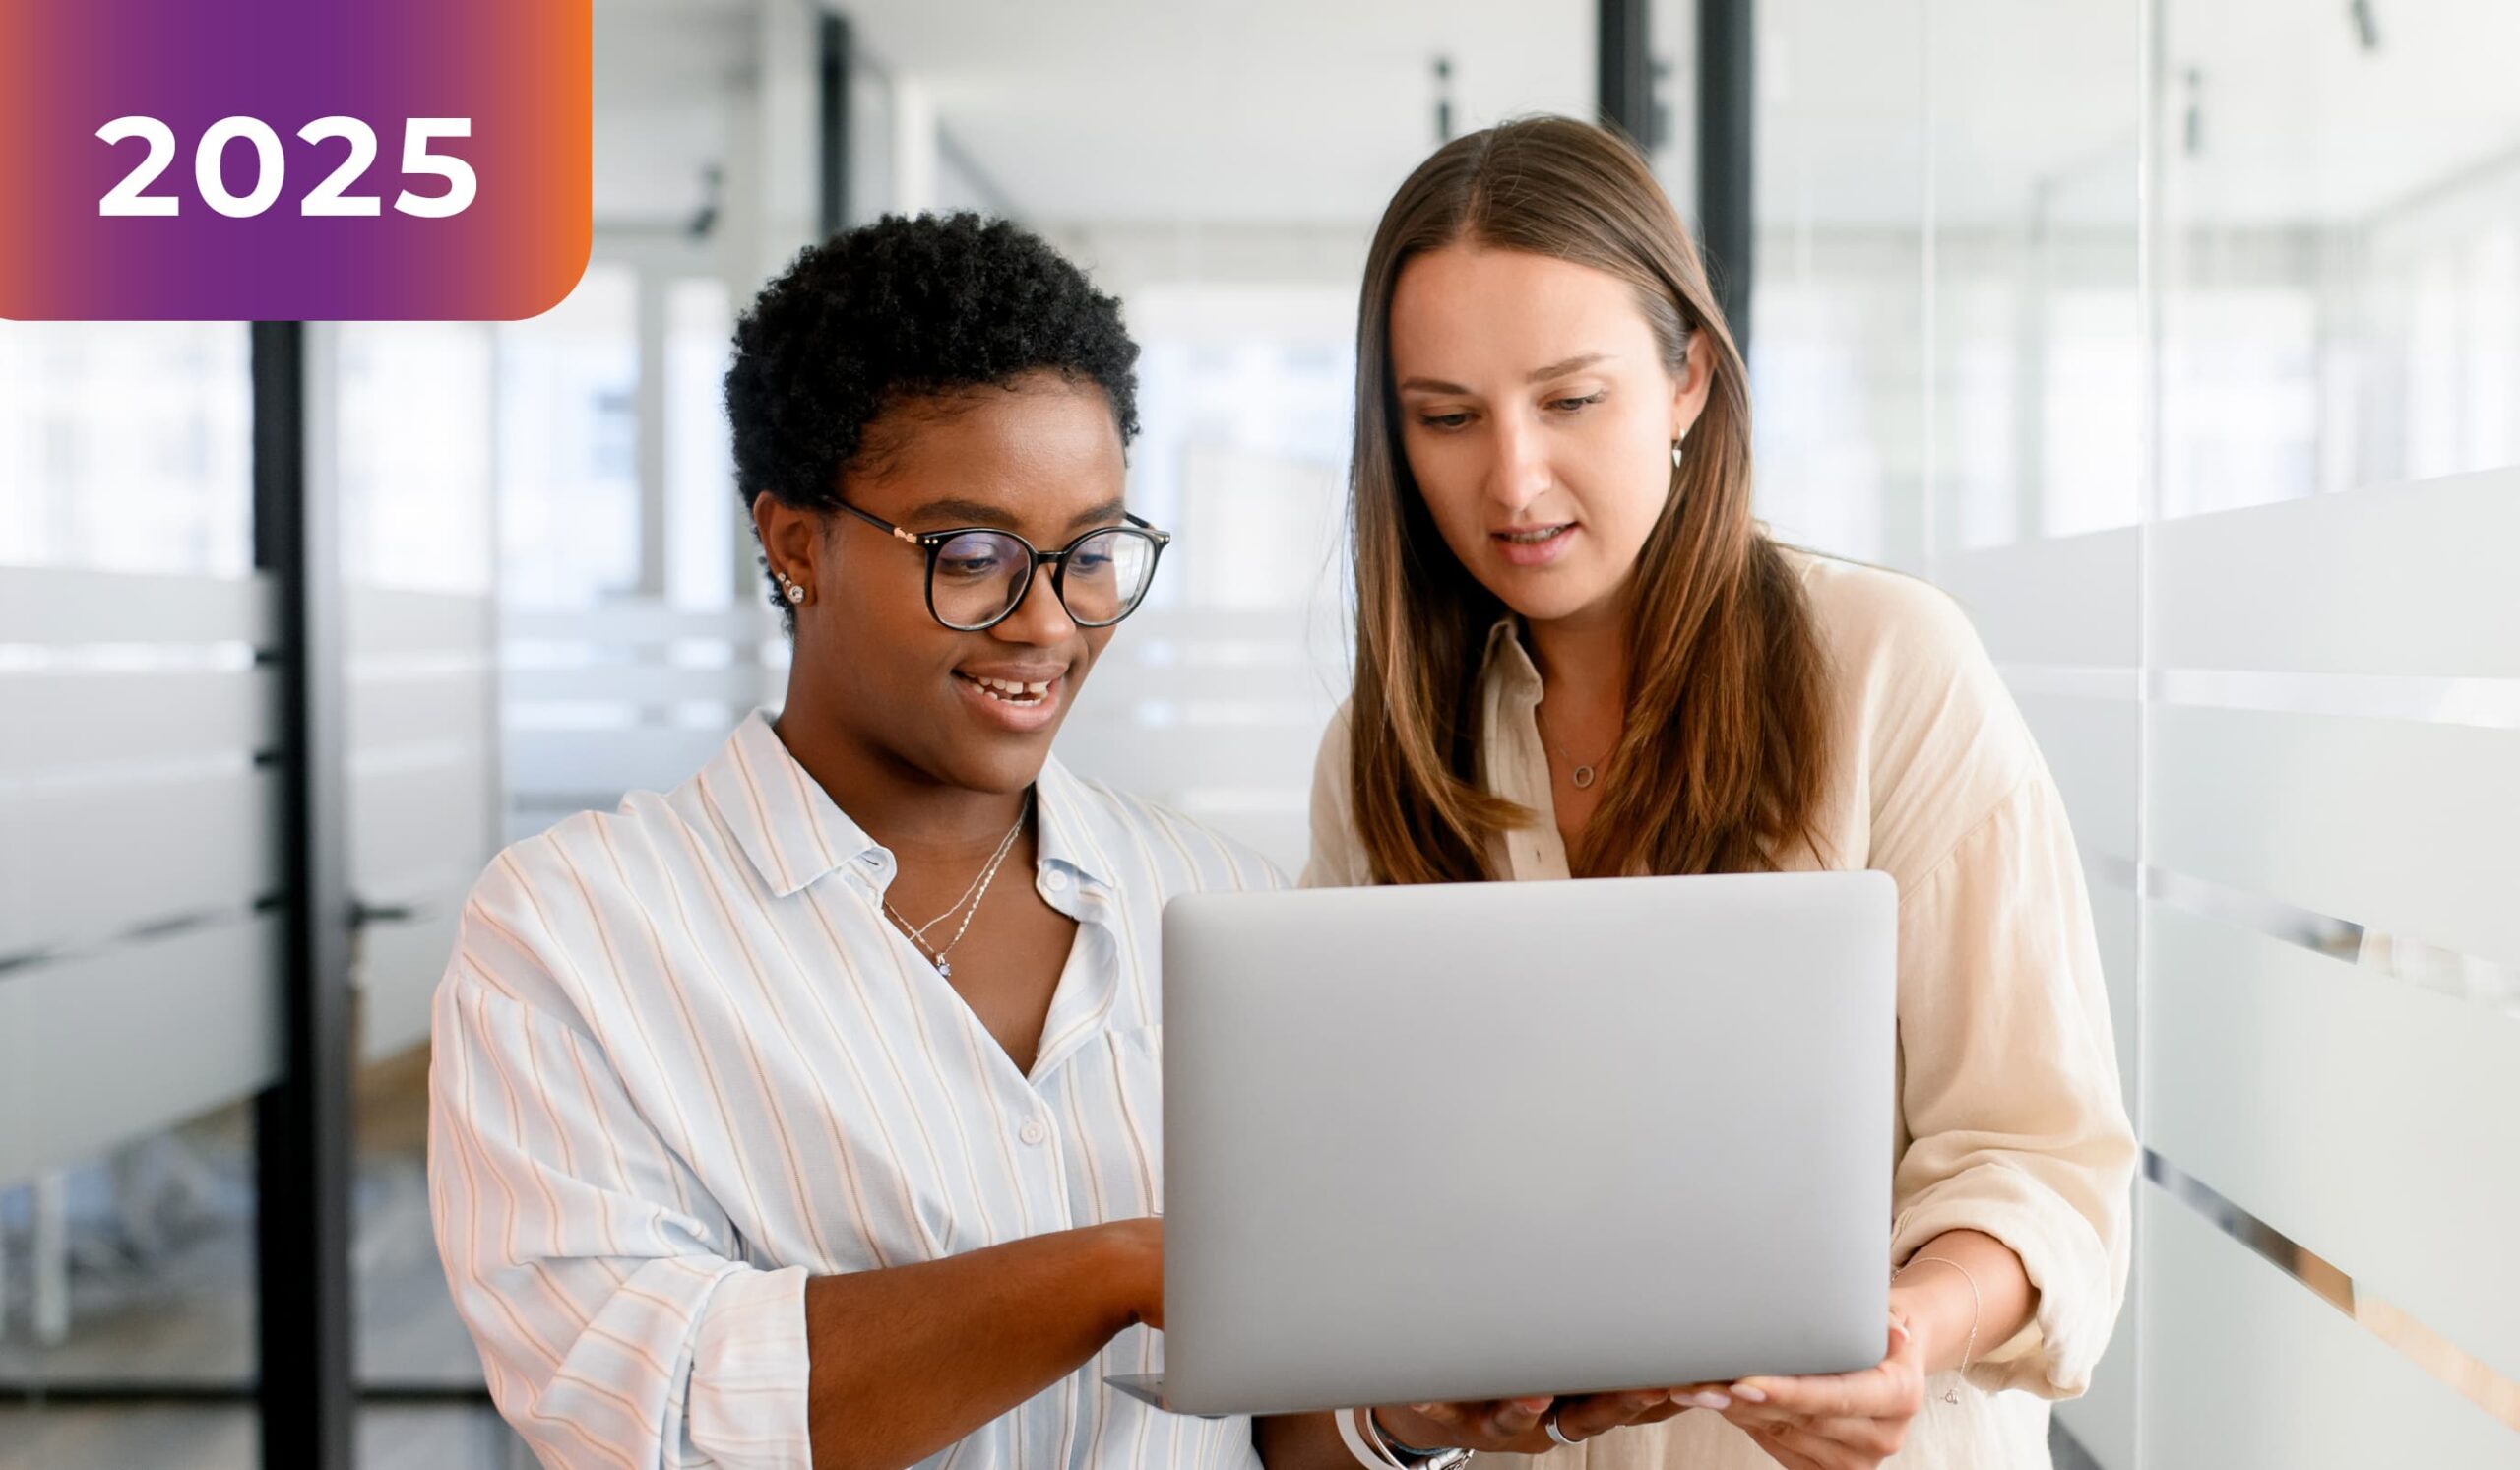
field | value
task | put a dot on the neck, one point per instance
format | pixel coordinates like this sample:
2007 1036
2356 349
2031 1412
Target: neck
1583 662
910 811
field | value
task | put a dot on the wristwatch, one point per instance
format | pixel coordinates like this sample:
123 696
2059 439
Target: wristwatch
1378 1449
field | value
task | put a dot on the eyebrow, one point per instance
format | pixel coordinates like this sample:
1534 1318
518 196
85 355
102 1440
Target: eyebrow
963 512
1538 375
981 513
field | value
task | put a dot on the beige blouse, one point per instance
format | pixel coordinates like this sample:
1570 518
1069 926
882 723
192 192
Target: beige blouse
2010 1118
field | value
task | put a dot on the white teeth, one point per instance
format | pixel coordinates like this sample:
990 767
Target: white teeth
1011 690
1533 538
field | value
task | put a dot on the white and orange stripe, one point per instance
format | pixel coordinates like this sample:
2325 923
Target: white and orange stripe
683 1063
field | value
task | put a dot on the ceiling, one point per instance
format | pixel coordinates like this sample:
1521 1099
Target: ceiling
1182 113
1298 111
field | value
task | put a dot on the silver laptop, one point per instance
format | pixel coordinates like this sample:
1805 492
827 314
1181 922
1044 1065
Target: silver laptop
1471 1141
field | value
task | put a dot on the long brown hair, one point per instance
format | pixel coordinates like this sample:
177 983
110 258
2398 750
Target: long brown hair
1722 765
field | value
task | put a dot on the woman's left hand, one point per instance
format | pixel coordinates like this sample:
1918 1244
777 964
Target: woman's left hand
1840 1420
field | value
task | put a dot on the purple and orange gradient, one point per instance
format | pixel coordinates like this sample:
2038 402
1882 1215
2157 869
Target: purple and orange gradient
522 70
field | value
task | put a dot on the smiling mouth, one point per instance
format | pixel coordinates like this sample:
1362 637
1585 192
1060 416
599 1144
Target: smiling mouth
1536 536
1009 691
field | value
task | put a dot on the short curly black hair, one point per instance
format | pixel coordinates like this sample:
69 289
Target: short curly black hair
899 310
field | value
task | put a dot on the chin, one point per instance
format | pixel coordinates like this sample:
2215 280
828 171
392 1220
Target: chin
1544 600
1002 765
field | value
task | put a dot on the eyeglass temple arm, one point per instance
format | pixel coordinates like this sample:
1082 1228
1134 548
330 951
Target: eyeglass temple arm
880 524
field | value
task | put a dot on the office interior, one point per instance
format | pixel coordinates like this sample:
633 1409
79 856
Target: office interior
2178 339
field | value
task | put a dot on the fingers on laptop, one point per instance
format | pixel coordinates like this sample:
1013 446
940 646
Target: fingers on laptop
1598 1414
1797 1447
1828 1442
1513 1417
1871 1394
1832 1419
1892 1388
1491 1424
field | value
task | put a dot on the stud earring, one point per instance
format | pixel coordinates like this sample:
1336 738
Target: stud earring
795 590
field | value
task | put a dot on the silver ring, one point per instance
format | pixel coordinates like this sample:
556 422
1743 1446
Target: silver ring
1551 1423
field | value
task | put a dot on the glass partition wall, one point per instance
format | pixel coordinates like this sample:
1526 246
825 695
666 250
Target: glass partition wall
2178 339
2182 345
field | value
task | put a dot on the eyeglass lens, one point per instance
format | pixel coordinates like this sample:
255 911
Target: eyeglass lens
978 576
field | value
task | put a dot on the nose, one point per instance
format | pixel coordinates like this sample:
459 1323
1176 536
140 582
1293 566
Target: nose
1519 473
1041 618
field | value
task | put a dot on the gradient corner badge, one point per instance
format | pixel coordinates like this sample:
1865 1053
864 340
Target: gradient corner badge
293 159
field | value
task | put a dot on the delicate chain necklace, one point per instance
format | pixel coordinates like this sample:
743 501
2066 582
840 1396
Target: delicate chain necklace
974 896
1583 775
919 932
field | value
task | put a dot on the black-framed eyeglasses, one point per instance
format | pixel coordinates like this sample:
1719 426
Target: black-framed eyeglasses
977 576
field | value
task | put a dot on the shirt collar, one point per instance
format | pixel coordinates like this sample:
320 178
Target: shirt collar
793 832
1066 805
781 816
1507 666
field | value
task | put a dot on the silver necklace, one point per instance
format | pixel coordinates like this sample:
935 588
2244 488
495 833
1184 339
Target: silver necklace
919 932
1583 775
972 896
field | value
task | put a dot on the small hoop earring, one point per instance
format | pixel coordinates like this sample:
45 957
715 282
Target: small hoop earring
795 590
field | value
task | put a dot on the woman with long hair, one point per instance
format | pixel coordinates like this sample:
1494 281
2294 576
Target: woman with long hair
1578 655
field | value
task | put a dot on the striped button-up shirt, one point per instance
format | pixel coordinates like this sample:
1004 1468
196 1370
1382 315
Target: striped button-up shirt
683 1063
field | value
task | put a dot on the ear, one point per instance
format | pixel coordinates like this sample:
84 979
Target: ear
792 539
1690 387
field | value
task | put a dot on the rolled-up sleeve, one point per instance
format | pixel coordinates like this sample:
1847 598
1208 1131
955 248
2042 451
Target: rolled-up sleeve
616 1324
2010 1097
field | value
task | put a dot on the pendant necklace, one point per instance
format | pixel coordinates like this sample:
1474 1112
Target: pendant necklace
1582 775
972 896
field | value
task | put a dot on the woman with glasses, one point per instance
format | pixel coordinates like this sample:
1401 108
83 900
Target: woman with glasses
807 1113
1577 655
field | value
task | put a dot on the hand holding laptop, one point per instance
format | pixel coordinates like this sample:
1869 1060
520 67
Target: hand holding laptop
1817 1423
1514 1426
1721 1046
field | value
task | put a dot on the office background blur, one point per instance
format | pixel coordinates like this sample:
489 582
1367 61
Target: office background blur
2181 338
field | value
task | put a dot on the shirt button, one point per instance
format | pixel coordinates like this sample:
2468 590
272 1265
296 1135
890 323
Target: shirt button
1056 881
1033 1133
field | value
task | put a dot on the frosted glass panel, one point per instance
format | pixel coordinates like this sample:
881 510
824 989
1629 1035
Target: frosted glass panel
53 606
2400 827
59 722
2066 600
2243 1369
101 856
2409 580
424 825
566 764
400 966
390 620
135 1039
2236 519
421 708
2356 1112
